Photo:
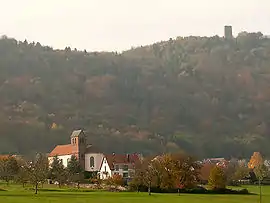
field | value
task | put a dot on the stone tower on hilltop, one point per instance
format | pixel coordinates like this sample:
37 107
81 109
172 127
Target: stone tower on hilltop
228 32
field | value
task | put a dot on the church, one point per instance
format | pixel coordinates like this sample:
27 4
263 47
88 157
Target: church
90 158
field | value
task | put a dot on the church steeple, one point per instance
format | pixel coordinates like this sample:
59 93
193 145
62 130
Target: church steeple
78 143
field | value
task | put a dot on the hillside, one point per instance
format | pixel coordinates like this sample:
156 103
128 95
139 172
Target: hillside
207 96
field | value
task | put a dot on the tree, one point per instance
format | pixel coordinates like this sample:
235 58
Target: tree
186 169
230 171
8 169
241 172
74 170
116 180
214 97
168 171
139 176
23 175
217 179
57 171
38 170
261 171
255 160
149 176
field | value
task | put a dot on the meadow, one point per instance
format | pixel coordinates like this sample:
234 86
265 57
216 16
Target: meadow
17 194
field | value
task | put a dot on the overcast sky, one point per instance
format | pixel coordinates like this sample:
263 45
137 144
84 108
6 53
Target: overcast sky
119 24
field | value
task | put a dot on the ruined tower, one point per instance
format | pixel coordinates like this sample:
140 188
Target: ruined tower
228 32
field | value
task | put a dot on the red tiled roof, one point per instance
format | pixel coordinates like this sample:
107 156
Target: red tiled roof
61 150
121 159
205 171
4 157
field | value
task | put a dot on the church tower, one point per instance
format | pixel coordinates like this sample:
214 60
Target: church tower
78 143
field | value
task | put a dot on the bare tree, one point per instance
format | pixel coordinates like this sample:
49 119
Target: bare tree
38 170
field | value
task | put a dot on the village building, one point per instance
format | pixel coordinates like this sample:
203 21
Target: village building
89 157
116 164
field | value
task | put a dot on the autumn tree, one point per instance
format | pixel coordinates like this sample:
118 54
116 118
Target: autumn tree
116 180
8 169
168 171
149 177
74 171
217 179
256 160
38 170
186 169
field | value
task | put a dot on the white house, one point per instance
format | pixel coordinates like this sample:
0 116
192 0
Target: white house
105 170
123 165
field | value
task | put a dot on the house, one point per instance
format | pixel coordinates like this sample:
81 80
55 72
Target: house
3 157
119 164
89 157
205 171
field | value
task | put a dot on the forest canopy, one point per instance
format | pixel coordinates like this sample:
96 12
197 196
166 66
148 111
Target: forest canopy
205 95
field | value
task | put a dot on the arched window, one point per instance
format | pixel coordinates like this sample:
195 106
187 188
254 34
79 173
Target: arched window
92 161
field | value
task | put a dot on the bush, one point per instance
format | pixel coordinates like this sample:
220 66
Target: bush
228 191
196 190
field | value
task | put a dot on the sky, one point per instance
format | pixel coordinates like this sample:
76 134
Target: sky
117 25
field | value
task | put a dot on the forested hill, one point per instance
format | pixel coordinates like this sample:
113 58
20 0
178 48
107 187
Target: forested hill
207 96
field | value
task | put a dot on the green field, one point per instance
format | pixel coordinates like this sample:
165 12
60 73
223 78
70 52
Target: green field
16 194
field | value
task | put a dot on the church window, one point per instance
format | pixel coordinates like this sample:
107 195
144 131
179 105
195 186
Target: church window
92 161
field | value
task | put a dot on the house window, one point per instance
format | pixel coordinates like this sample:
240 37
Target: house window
125 167
117 167
125 175
105 169
92 161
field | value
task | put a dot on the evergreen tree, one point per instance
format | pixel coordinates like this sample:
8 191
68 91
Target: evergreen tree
74 170
57 171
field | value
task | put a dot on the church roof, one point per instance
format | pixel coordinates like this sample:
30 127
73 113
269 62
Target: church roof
60 150
92 149
76 133
4 157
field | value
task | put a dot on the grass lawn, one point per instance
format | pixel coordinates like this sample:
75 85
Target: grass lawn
16 194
